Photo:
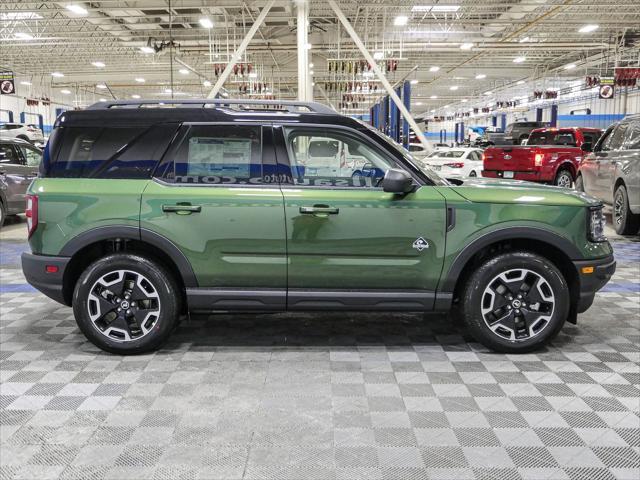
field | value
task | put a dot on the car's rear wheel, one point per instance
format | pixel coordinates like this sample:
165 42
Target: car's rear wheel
3 214
624 221
563 178
515 302
127 304
580 183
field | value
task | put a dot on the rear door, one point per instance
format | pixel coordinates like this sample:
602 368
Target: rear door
349 243
216 197
17 175
606 159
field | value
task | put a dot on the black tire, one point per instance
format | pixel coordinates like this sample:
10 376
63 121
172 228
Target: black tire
579 183
474 296
564 178
3 214
624 221
163 304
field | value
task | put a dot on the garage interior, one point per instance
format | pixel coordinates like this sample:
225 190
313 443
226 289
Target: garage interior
325 395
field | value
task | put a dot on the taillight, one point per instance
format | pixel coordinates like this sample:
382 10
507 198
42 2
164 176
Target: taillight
538 159
454 165
32 214
484 157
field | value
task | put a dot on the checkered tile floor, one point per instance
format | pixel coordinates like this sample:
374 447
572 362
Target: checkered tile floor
331 396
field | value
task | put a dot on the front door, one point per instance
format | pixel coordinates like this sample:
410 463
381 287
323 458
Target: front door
606 159
349 243
216 198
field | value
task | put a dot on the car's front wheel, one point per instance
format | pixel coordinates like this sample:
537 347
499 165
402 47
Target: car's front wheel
125 303
515 302
624 221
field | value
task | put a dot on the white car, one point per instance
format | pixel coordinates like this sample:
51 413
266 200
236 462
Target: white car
456 162
23 131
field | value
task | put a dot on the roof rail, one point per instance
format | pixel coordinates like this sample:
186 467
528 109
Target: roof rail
241 105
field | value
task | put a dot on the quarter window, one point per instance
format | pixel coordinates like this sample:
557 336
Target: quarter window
8 155
325 158
31 155
632 140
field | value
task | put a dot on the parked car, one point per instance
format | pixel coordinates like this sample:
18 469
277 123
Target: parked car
491 136
552 155
19 162
213 212
612 173
456 162
30 133
519 131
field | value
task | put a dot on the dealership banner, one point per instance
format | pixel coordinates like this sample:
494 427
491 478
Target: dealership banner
7 83
606 89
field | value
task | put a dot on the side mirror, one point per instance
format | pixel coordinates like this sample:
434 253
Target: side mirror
586 147
397 181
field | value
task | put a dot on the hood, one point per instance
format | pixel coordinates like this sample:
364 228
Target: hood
490 190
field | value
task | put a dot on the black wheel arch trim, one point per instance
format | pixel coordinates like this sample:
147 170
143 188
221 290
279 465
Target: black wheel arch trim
133 233
449 281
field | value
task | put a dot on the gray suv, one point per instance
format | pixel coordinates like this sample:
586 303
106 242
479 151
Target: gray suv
612 172
19 162
517 132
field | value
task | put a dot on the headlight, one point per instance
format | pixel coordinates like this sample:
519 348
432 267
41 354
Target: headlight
597 222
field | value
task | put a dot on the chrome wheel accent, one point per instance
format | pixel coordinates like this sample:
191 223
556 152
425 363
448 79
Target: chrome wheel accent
123 305
618 207
564 180
473 173
518 304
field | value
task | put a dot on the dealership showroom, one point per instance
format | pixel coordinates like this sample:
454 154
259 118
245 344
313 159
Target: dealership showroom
367 239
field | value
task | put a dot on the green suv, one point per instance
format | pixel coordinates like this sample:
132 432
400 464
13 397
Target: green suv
142 213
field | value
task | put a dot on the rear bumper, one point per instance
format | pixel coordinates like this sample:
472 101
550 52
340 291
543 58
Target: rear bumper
51 284
527 176
590 283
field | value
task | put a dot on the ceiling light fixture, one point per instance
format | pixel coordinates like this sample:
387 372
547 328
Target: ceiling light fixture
23 36
519 82
571 66
480 76
101 86
77 9
433 97
206 22
103 99
488 93
414 81
453 87
523 40
167 90
434 68
140 80
378 55
65 92
400 20
519 59
98 64
57 74
466 46
464 100
589 28
135 96
24 82
184 71
418 103
146 49
206 83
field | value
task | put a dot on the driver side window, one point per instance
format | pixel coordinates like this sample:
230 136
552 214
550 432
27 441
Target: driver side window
326 158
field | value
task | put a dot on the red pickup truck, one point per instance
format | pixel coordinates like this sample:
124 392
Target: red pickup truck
551 155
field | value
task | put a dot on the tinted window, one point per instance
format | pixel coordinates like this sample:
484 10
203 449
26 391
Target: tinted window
591 137
109 152
31 155
214 154
632 140
551 138
8 154
325 158
614 141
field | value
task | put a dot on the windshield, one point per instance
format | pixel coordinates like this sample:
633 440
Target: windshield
430 174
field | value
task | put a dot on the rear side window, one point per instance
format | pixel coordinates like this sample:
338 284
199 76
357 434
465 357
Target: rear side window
632 140
591 137
109 152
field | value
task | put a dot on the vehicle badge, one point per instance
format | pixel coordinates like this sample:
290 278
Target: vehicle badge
420 244
507 157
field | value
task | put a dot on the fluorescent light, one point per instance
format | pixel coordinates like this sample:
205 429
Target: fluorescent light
524 40
206 83
466 46
432 111
589 28
418 103
103 99
480 76
77 9
571 66
520 82
135 96
434 68
445 8
98 64
140 80
20 16
310 72
57 74
225 94
464 100
146 49
206 22
101 86
453 87
308 46
414 81
433 97
22 36
488 93
311 65
24 82
167 90
400 21
378 55
519 59
65 92
184 71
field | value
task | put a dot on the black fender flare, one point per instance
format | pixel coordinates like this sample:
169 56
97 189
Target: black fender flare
133 233
511 233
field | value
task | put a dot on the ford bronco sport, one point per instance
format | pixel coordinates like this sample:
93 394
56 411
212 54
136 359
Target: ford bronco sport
143 213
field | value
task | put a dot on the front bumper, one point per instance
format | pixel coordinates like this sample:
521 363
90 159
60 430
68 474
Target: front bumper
50 283
590 283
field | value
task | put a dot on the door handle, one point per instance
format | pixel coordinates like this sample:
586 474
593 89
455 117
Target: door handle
182 209
319 210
